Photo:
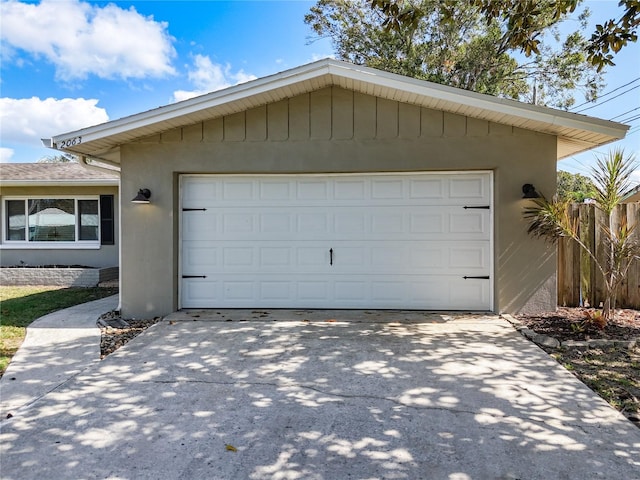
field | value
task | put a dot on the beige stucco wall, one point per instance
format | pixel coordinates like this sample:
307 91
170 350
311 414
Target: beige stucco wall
330 131
105 256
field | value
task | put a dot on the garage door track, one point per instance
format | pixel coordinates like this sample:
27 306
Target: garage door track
322 395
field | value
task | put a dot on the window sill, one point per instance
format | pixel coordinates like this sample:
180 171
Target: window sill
50 246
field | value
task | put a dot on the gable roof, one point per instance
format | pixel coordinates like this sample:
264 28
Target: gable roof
632 195
576 133
48 174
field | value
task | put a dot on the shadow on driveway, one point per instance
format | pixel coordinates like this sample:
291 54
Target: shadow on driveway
461 398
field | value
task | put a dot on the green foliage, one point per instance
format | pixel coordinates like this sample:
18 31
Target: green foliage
550 220
524 19
19 306
575 187
62 158
612 176
453 43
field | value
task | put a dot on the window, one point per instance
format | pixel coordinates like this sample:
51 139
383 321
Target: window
65 220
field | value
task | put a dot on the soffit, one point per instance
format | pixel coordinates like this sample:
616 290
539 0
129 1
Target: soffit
576 133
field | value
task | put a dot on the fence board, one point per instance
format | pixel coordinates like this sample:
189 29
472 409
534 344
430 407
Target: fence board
579 280
633 278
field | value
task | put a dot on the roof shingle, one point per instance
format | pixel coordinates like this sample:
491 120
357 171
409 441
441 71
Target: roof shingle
52 172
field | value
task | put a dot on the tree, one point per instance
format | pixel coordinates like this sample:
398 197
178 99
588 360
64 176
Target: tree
549 220
522 19
575 187
62 158
451 42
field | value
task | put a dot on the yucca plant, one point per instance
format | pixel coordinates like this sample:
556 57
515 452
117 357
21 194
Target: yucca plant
550 220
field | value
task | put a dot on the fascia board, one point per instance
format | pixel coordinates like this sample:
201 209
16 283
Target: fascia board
467 98
329 68
60 183
193 105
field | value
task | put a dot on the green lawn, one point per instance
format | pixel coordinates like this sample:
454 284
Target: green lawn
19 306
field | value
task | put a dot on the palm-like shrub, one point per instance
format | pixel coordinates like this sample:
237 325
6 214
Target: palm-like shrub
550 220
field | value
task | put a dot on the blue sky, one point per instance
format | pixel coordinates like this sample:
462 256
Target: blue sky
68 64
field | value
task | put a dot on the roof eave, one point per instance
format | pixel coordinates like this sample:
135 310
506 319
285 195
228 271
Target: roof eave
60 183
330 72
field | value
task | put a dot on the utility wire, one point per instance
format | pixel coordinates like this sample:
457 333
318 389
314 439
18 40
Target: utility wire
629 111
609 93
607 100
630 119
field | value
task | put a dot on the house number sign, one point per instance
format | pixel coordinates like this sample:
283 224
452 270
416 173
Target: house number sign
70 142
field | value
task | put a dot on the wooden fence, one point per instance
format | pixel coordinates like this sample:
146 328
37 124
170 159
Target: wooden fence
579 281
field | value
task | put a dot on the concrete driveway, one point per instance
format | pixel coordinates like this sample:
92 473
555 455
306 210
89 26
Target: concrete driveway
322 395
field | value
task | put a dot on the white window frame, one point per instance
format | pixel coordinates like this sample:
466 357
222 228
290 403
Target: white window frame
43 245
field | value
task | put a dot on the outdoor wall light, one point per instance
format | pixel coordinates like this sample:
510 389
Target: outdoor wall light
143 196
529 191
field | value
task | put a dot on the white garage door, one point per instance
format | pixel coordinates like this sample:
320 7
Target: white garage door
406 241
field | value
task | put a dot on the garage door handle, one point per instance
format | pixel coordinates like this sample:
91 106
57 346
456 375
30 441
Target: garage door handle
331 256
194 276
482 277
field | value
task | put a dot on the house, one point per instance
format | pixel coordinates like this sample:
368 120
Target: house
333 185
58 214
632 195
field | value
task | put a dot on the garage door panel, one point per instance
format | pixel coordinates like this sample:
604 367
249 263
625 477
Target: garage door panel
455 258
396 292
197 256
350 291
350 191
335 191
300 223
427 188
469 187
204 292
275 190
276 291
367 241
275 256
312 292
474 222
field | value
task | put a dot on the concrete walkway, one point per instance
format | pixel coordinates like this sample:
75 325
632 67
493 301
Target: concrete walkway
57 347
322 396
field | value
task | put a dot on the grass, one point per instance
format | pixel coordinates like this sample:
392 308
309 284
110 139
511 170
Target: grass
611 372
21 305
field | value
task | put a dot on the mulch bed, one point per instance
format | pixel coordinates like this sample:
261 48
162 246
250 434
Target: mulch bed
116 331
573 324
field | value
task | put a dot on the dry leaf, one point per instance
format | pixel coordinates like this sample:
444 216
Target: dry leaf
231 448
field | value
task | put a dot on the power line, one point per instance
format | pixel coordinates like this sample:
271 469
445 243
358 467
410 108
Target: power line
609 93
629 111
607 100
630 119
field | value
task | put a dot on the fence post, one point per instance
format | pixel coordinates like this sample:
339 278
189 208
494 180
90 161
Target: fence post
633 277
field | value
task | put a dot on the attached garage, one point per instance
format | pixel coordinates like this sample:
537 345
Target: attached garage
417 240
333 185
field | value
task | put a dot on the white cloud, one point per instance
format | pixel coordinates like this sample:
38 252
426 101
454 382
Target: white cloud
321 56
6 154
29 119
207 76
81 39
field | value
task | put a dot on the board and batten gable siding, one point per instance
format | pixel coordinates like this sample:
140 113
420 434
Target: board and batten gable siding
334 130
334 114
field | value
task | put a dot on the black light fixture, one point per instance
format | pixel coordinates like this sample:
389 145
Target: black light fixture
143 196
529 191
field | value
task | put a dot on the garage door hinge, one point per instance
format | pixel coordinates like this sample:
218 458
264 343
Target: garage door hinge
194 276
482 277
194 209
478 207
